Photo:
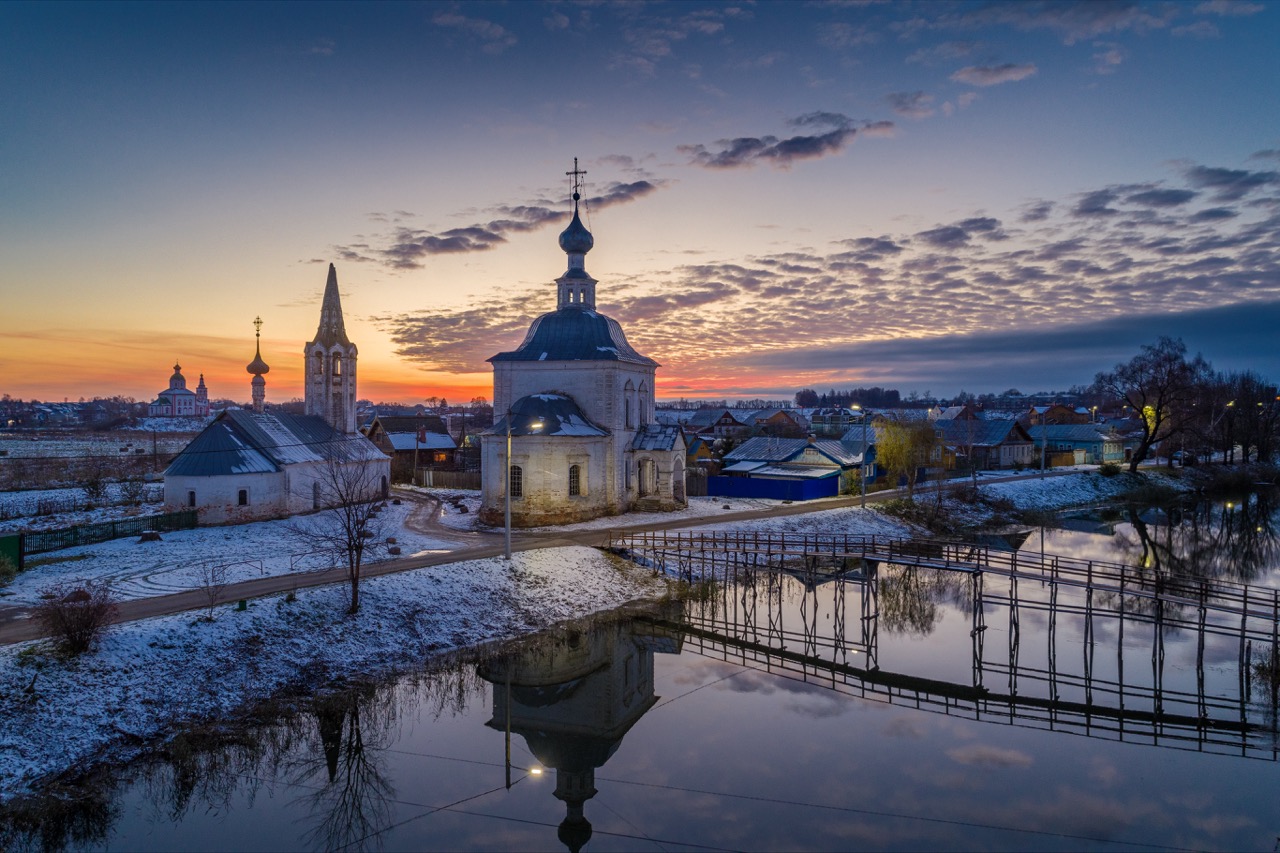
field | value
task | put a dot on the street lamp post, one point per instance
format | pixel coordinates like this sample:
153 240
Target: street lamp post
506 550
862 467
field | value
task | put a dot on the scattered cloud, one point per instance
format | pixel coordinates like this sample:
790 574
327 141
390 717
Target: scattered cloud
1073 22
1229 8
406 247
322 47
915 105
948 51
1067 275
556 21
1230 184
747 151
841 36
1107 57
989 756
494 37
1198 29
993 75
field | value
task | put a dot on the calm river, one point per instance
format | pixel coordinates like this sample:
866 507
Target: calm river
916 710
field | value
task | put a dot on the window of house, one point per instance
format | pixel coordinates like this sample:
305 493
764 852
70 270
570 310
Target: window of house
517 481
191 498
242 497
575 481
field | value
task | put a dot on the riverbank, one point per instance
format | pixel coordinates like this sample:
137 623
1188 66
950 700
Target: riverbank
150 677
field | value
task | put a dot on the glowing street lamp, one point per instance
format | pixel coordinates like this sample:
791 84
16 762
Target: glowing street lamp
506 550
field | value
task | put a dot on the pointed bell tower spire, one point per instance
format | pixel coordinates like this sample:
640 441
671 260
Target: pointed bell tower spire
576 289
332 330
331 364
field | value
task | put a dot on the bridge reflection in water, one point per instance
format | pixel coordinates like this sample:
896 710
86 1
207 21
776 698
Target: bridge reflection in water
1086 643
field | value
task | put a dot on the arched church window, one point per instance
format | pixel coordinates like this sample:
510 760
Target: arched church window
646 415
337 364
242 497
315 495
517 481
628 392
575 481
319 362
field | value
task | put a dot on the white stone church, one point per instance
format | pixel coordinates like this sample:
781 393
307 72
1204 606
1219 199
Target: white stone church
261 463
578 402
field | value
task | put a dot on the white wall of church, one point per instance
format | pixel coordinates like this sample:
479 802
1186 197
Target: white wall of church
274 494
544 463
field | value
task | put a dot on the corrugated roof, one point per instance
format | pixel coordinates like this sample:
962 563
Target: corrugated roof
575 334
765 448
240 441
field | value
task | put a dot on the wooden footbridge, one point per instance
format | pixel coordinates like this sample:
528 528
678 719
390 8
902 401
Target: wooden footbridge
1215 606
779 603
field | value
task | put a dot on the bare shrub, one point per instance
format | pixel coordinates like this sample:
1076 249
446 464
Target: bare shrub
76 614
8 570
131 491
212 582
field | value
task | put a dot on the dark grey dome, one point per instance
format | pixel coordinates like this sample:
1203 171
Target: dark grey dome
576 239
575 334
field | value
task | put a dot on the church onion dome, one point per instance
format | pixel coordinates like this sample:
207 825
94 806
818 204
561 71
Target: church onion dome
177 372
576 239
575 334
548 415
257 367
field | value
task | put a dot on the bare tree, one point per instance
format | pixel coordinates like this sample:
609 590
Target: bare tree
350 529
1159 384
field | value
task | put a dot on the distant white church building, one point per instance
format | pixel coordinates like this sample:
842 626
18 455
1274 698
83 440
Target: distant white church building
177 401
576 403
253 464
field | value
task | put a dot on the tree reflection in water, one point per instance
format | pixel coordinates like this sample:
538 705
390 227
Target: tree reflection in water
910 598
1235 540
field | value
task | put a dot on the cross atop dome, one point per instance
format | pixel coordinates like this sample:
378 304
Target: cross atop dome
577 289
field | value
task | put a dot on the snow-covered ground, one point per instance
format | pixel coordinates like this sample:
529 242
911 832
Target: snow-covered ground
30 510
150 676
137 569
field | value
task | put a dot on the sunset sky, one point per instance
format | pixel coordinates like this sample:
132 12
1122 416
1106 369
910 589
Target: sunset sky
932 197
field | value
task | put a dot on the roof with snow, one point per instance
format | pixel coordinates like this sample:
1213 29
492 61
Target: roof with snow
658 437
241 441
547 415
575 333
966 433
765 448
1071 432
431 441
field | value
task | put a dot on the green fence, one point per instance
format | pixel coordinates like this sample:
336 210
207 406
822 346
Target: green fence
88 534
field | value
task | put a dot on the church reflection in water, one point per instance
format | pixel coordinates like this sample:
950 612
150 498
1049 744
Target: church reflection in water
573 697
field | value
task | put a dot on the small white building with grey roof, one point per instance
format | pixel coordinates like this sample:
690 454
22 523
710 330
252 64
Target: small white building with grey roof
578 401
254 464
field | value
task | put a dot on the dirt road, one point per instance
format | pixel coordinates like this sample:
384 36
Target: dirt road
17 626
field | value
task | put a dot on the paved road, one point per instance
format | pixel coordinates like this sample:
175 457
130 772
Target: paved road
16 626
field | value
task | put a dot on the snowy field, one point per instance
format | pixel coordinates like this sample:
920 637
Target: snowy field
27 510
113 444
151 676
140 569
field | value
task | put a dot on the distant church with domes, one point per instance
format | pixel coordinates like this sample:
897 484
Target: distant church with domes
177 401
263 463
577 410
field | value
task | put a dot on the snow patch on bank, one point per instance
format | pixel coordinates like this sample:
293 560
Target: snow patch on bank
149 677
